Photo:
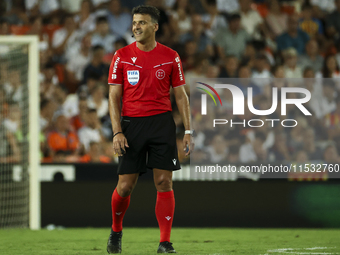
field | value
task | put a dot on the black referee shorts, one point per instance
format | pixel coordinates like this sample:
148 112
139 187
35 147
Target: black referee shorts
152 144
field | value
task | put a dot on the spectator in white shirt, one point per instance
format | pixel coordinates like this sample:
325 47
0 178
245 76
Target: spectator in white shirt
325 6
98 4
91 132
261 74
213 21
68 103
71 6
326 104
85 20
103 36
250 19
14 87
77 63
48 80
66 40
276 20
228 6
13 122
44 7
312 57
218 150
232 40
119 21
292 70
254 151
180 18
98 101
314 86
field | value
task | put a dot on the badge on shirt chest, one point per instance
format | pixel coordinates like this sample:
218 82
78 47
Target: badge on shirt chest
160 74
133 77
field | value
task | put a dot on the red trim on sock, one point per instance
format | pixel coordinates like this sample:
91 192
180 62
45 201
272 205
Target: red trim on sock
119 206
165 208
118 197
165 194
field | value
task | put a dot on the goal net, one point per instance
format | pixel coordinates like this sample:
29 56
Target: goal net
19 132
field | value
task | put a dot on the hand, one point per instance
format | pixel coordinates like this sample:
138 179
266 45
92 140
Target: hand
119 144
188 143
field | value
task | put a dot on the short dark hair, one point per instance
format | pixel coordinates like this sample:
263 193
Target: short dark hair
122 41
308 69
93 143
63 87
261 57
61 153
49 65
306 6
91 110
211 2
65 17
234 16
93 76
243 66
3 20
275 68
44 103
101 19
230 56
97 47
147 9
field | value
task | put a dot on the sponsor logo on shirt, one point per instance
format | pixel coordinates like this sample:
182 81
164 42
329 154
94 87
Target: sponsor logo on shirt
179 68
180 72
133 77
115 67
160 74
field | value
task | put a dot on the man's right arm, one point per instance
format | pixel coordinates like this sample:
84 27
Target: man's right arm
119 140
115 95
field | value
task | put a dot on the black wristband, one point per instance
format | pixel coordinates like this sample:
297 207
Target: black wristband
117 134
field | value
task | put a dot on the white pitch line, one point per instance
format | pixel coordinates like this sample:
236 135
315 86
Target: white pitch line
292 252
281 250
319 248
296 250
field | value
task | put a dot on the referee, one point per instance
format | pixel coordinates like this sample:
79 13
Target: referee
140 76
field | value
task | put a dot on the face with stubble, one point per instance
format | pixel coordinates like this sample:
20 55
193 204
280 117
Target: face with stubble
143 28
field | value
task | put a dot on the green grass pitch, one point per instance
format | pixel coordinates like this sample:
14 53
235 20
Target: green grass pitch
186 241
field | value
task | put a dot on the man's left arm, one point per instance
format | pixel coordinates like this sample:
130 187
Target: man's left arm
183 105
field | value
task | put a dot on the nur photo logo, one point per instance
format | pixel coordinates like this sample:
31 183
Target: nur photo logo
240 99
204 97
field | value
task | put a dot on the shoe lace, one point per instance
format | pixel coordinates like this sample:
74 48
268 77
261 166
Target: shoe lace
168 245
115 237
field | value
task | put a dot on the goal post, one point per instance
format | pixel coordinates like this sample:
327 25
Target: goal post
32 149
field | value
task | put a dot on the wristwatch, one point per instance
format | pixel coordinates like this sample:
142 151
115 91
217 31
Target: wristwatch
190 132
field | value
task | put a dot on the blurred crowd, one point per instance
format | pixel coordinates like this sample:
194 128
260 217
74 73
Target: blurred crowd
254 39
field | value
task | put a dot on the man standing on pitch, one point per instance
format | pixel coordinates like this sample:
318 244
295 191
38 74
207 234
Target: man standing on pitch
141 75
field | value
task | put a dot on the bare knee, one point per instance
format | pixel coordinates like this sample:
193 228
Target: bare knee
163 183
125 188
